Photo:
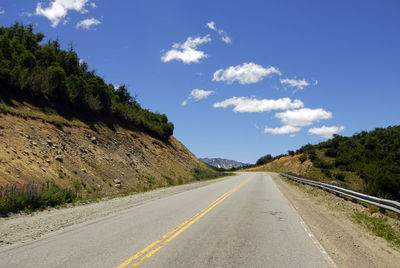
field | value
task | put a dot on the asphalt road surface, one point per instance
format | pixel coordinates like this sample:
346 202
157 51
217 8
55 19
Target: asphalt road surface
243 221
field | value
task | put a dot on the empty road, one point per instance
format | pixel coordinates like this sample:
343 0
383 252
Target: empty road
243 221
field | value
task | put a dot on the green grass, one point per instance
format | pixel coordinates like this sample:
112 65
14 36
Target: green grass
32 197
150 180
169 180
378 226
200 174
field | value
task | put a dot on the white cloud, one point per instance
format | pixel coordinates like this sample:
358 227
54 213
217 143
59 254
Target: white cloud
2 11
326 132
93 5
58 9
247 73
282 130
303 117
227 39
299 84
86 24
224 35
197 94
187 52
212 25
253 105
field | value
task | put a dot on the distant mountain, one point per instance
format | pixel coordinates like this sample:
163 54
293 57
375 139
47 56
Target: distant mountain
222 163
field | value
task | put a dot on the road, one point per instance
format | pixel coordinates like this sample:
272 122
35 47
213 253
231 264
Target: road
243 221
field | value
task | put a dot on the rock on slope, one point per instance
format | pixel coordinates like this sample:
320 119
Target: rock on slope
102 161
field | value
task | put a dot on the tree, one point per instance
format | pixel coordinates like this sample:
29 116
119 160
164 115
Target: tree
55 82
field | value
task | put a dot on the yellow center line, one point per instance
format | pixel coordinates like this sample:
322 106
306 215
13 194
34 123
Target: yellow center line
168 237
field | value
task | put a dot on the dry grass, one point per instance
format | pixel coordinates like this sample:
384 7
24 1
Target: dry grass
386 225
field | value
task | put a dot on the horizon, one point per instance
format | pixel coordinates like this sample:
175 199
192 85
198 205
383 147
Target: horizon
243 80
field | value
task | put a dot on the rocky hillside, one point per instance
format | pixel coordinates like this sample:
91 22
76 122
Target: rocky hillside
222 163
97 160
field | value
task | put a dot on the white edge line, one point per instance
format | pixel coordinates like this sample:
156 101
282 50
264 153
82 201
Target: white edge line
324 253
317 243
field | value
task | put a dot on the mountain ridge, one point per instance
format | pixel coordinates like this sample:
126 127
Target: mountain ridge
222 163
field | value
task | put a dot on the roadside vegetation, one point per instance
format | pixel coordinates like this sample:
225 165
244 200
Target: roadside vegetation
41 72
368 161
33 197
378 226
385 225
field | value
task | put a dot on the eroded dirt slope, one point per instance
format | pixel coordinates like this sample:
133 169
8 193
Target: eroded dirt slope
102 161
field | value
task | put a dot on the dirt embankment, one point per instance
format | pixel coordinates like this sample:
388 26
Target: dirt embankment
286 164
101 161
330 219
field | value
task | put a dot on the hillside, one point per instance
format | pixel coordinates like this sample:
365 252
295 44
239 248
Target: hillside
295 165
52 77
88 160
367 161
222 163
66 134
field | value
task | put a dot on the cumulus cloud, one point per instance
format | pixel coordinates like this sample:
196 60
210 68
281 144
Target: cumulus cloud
247 73
326 132
303 117
197 94
212 25
253 105
224 35
86 24
58 9
298 84
2 11
282 130
187 52
93 5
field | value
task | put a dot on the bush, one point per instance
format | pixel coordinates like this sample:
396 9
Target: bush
331 152
264 160
327 173
340 176
32 197
302 158
319 163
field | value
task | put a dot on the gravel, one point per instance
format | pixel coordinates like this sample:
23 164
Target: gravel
23 227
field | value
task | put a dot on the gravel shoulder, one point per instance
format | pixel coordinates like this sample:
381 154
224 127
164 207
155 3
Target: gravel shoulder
22 227
329 218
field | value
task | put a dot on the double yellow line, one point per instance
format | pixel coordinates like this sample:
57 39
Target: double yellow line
168 237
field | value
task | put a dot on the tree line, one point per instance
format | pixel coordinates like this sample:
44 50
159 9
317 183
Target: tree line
58 77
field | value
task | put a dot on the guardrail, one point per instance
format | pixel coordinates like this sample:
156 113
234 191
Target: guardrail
382 204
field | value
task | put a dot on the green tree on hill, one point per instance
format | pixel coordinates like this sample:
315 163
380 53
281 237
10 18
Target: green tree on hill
58 77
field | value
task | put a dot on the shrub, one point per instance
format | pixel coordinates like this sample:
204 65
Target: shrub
340 176
331 152
302 158
327 173
32 197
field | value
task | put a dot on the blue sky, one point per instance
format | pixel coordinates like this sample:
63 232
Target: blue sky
239 79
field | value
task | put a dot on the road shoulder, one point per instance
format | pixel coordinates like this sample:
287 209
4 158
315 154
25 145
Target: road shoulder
21 227
329 218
